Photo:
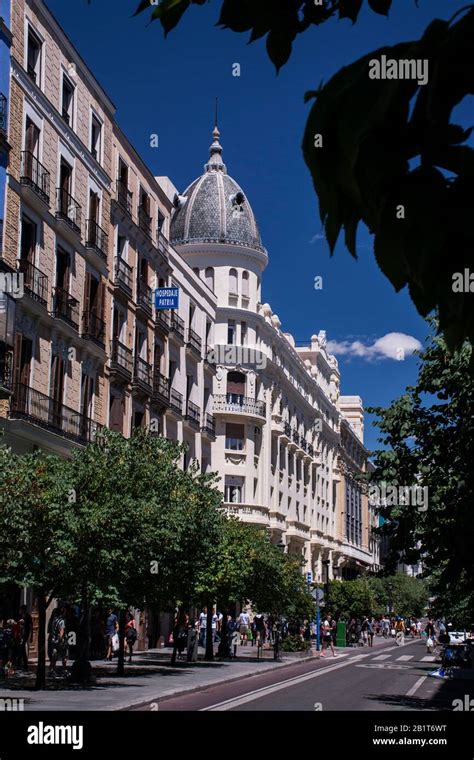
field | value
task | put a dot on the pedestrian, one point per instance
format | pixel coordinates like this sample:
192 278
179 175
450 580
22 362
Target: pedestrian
26 635
400 632
5 647
57 640
244 626
260 630
202 627
431 635
193 642
370 632
326 635
419 626
385 627
111 628
131 634
180 635
365 631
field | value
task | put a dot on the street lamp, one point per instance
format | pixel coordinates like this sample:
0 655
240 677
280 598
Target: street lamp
326 563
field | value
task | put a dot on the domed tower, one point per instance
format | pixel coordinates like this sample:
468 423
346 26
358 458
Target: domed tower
214 229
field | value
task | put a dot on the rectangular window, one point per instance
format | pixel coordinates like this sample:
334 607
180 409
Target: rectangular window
234 437
67 100
96 138
243 337
33 60
29 233
231 332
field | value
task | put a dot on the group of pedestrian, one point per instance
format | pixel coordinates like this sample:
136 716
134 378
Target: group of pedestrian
15 637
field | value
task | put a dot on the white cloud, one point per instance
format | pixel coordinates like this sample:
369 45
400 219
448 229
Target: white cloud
316 237
390 346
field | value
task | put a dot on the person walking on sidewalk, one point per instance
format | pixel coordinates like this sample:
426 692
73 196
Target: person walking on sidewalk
180 635
111 628
244 625
202 627
370 631
326 635
131 634
26 635
400 632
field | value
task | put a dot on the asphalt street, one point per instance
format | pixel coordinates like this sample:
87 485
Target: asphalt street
384 678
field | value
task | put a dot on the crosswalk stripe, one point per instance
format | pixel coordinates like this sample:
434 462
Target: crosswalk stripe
406 657
382 657
428 658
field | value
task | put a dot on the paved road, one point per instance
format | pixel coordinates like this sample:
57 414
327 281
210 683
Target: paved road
384 678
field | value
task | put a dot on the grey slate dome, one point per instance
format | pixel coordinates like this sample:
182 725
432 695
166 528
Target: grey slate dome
214 209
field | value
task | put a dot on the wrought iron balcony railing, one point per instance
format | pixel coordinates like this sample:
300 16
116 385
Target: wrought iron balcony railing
35 282
194 341
176 401
66 307
29 404
142 374
177 325
121 358
97 238
68 209
93 328
144 221
163 318
125 197
34 174
209 425
161 386
235 402
124 276
193 414
144 297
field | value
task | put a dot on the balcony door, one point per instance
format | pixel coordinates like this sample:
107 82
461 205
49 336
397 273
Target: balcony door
32 138
65 206
28 240
87 397
116 412
235 388
57 390
22 367
93 306
93 210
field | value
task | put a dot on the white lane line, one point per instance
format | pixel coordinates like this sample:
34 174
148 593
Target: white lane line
228 704
406 657
382 657
416 686
428 658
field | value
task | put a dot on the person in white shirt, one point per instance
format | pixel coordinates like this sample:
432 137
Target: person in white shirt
244 623
202 626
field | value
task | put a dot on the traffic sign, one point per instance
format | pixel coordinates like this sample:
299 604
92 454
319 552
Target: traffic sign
167 298
317 594
309 577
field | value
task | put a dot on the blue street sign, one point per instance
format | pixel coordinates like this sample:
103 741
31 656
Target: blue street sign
309 577
167 298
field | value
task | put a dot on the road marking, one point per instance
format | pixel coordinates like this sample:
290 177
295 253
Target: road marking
228 704
406 657
385 666
428 658
382 657
416 686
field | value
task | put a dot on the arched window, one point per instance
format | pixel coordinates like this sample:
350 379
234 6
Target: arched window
209 276
235 387
245 284
233 281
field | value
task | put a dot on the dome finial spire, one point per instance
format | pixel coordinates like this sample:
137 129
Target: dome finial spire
215 162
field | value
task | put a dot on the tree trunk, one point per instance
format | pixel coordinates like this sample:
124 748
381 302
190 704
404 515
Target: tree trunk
209 643
41 669
121 654
82 669
224 648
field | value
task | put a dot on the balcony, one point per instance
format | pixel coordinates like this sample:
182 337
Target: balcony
163 244
28 404
209 365
6 372
124 197
35 176
97 239
93 328
144 299
121 362
124 277
68 210
144 221
235 403
177 326
163 320
194 343
209 426
66 308
193 415
142 377
176 401
4 123
161 389
35 282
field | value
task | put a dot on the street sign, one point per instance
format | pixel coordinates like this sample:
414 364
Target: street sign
309 577
317 594
167 298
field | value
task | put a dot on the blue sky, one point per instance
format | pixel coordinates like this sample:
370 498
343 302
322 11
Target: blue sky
169 86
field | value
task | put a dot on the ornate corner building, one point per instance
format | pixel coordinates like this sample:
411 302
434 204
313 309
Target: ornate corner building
87 234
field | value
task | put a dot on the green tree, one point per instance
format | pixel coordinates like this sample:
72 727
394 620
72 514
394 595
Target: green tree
428 434
383 151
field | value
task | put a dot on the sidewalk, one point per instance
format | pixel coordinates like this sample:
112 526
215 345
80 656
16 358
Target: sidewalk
149 678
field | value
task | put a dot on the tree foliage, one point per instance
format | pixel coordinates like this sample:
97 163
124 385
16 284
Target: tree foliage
387 145
428 435
369 596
